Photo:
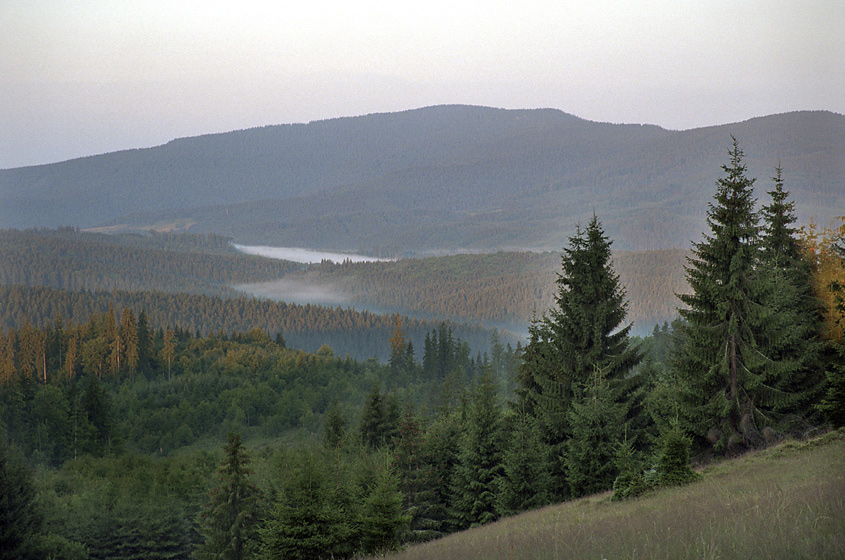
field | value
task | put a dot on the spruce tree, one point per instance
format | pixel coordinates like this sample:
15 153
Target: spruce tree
833 403
790 326
145 343
629 483
728 384
440 449
597 422
524 481
582 332
673 458
229 521
97 406
382 517
21 520
379 419
307 523
414 468
476 480
334 426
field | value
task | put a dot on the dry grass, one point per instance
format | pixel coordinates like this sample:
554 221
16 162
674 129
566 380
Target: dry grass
785 502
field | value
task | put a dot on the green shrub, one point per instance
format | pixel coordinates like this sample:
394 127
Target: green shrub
673 462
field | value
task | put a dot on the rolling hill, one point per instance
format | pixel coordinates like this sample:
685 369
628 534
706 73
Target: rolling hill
445 178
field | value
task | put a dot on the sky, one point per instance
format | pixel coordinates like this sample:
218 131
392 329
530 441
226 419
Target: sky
84 77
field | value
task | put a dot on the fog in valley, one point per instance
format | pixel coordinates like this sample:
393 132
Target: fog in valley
301 255
302 293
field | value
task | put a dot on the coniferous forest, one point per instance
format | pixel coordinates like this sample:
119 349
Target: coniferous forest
148 410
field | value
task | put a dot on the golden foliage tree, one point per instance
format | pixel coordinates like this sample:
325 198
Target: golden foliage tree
824 250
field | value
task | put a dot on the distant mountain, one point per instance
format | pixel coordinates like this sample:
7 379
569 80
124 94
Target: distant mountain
446 178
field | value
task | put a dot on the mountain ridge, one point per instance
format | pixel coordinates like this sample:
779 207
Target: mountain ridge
448 177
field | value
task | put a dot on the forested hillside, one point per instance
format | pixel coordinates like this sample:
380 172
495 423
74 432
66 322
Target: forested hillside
153 389
185 281
438 178
72 260
123 420
501 289
504 290
362 335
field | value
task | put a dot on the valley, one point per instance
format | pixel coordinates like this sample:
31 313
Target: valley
502 290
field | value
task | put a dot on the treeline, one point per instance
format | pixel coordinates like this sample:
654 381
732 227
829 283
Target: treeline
362 334
172 237
753 359
72 260
502 288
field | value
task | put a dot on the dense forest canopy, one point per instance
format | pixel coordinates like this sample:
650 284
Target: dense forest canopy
362 335
70 259
502 289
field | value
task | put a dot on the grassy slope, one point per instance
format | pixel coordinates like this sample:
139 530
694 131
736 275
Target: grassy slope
785 502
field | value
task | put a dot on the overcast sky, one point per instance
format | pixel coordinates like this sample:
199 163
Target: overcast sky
91 76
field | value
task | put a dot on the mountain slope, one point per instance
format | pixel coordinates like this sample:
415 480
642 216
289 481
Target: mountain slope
783 502
447 177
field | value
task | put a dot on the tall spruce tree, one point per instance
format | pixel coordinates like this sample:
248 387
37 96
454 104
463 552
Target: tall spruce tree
584 331
440 449
414 467
727 387
791 324
229 520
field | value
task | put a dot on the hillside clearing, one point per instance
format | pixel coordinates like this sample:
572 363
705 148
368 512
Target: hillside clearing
784 502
